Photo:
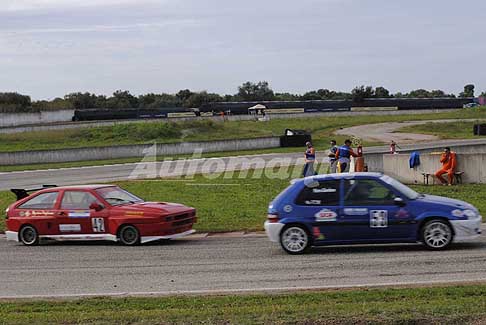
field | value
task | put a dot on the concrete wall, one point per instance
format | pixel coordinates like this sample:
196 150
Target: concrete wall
133 151
16 119
473 166
375 157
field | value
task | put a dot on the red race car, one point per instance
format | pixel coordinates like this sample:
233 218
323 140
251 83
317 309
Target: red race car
94 212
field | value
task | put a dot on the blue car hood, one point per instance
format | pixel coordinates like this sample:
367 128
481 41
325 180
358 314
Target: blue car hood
445 201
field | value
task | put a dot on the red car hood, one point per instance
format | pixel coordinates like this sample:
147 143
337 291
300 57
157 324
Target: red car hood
155 208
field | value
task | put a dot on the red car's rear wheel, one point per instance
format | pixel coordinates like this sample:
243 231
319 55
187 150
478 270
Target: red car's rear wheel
28 236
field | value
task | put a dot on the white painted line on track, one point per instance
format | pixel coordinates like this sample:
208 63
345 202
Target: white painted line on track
270 290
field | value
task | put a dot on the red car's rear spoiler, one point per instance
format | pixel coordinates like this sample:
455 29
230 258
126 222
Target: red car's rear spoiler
21 193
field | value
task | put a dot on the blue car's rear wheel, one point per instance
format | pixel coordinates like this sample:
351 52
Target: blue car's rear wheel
295 239
437 234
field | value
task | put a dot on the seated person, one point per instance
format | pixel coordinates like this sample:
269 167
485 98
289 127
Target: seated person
449 162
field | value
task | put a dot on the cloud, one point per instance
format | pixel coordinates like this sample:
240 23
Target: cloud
105 28
36 5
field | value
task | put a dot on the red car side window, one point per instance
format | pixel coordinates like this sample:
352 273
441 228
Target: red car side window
41 201
77 200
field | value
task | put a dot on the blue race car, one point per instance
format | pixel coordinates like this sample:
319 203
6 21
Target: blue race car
364 208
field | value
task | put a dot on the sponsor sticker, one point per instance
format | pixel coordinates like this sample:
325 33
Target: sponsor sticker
134 213
288 208
70 228
79 214
313 202
325 215
378 218
402 214
324 190
36 213
355 211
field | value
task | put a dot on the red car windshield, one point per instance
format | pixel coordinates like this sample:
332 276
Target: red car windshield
117 196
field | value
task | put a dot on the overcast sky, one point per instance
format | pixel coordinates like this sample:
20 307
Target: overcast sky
52 47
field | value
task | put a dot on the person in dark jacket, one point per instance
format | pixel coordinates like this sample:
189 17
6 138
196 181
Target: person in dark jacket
332 157
310 158
343 156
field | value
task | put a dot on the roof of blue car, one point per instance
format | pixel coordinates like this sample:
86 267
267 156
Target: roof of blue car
344 175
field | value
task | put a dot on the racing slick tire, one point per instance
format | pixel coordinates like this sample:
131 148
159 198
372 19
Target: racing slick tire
436 234
129 235
295 239
29 236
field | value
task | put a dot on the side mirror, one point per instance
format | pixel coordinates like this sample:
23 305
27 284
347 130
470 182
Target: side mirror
96 206
399 201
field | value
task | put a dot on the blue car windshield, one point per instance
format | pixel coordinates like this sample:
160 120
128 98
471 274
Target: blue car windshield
404 189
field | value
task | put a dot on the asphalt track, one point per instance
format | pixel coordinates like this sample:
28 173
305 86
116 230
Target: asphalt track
224 264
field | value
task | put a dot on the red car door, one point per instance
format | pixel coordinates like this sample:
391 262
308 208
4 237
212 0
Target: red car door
76 217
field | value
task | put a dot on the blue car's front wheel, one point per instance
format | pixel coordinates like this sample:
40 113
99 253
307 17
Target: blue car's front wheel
437 234
294 239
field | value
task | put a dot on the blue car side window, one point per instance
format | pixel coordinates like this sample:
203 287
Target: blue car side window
362 192
325 193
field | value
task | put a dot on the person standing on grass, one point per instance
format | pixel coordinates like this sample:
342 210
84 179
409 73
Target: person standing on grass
343 156
310 158
449 162
332 157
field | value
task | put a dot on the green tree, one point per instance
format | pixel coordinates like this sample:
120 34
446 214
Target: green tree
200 98
311 95
184 95
158 101
85 100
468 91
55 104
14 102
122 99
287 97
418 93
255 91
382 92
360 93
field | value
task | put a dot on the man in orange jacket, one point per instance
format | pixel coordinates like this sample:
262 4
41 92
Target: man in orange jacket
449 162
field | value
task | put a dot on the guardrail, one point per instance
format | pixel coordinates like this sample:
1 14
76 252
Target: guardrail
43 126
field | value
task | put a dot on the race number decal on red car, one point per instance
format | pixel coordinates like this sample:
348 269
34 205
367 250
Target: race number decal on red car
98 224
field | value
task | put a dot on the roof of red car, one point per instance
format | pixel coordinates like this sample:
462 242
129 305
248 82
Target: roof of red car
79 187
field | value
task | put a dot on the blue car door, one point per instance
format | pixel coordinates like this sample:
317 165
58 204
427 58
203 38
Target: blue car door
370 213
318 206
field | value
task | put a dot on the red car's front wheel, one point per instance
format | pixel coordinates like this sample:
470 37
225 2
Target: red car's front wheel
129 235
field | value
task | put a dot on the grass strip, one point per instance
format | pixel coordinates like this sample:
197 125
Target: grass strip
239 203
322 129
434 305
453 130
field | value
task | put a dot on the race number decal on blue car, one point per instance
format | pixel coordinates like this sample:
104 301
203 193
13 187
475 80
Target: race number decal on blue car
378 218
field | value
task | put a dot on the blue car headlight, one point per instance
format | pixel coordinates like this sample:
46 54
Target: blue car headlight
468 213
